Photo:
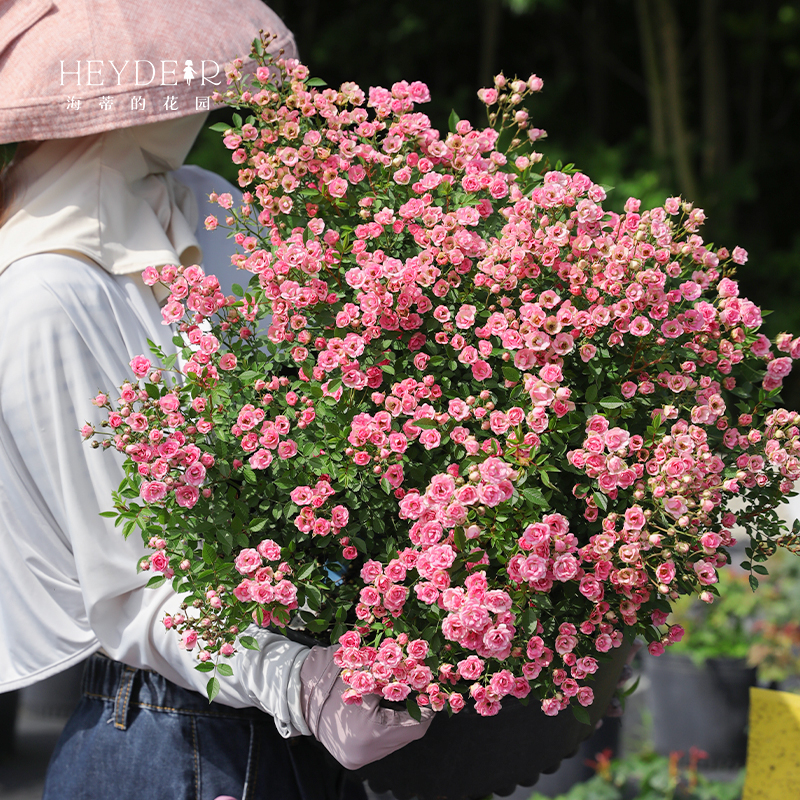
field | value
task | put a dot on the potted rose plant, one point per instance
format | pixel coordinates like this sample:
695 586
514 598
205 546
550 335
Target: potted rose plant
488 429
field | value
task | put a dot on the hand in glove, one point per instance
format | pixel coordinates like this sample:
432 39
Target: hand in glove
355 735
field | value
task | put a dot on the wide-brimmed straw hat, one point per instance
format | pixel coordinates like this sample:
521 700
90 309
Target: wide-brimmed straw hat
75 67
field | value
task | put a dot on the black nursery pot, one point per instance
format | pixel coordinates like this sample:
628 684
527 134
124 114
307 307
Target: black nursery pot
467 757
701 706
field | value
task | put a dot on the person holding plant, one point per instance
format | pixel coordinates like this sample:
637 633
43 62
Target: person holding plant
95 195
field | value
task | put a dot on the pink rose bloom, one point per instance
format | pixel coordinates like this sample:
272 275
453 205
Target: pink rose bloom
634 518
497 601
675 506
370 571
666 572
153 491
261 459
363 682
565 567
551 706
456 702
339 516
396 691
779 368
286 593
417 649
195 474
640 326
470 668
705 571
188 640
370 596
140 366
263 593
394 475
187 496
426 593
301 495
490 494
655 649
247 561
169 403
227 361
603 643
159 561
430 438
497 641
269 550
481 370
585 696
395 598
287 449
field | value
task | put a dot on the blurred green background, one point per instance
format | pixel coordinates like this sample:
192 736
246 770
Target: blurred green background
652 97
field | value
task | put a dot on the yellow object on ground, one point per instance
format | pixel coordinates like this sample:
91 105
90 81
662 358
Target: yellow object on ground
773 746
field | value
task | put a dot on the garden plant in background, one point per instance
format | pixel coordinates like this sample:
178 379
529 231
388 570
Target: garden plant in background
652 777
458 418
761 629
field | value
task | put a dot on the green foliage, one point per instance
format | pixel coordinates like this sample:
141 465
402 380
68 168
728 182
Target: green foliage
651 777
763 628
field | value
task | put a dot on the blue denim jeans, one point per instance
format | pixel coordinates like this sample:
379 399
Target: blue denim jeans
136 736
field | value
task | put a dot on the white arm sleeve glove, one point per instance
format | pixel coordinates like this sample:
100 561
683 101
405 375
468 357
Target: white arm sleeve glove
68 581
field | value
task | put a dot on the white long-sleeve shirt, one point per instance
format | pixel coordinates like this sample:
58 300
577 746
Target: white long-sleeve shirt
68 580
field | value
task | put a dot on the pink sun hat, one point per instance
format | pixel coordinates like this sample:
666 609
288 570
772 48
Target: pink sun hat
76 67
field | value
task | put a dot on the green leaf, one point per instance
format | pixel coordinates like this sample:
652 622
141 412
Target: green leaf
219 127
317 625
315 82
451 124
529 620
155 581
425 423
581 714
206 666
601 500
612 402
225 669
307 571
314 594
414 711
237 290
209 554
534 495
753 582
249 643
212 688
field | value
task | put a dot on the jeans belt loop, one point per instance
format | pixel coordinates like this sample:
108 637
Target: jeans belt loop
122 700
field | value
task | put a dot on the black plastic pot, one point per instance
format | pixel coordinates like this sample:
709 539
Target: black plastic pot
8 717
701 706
466 756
